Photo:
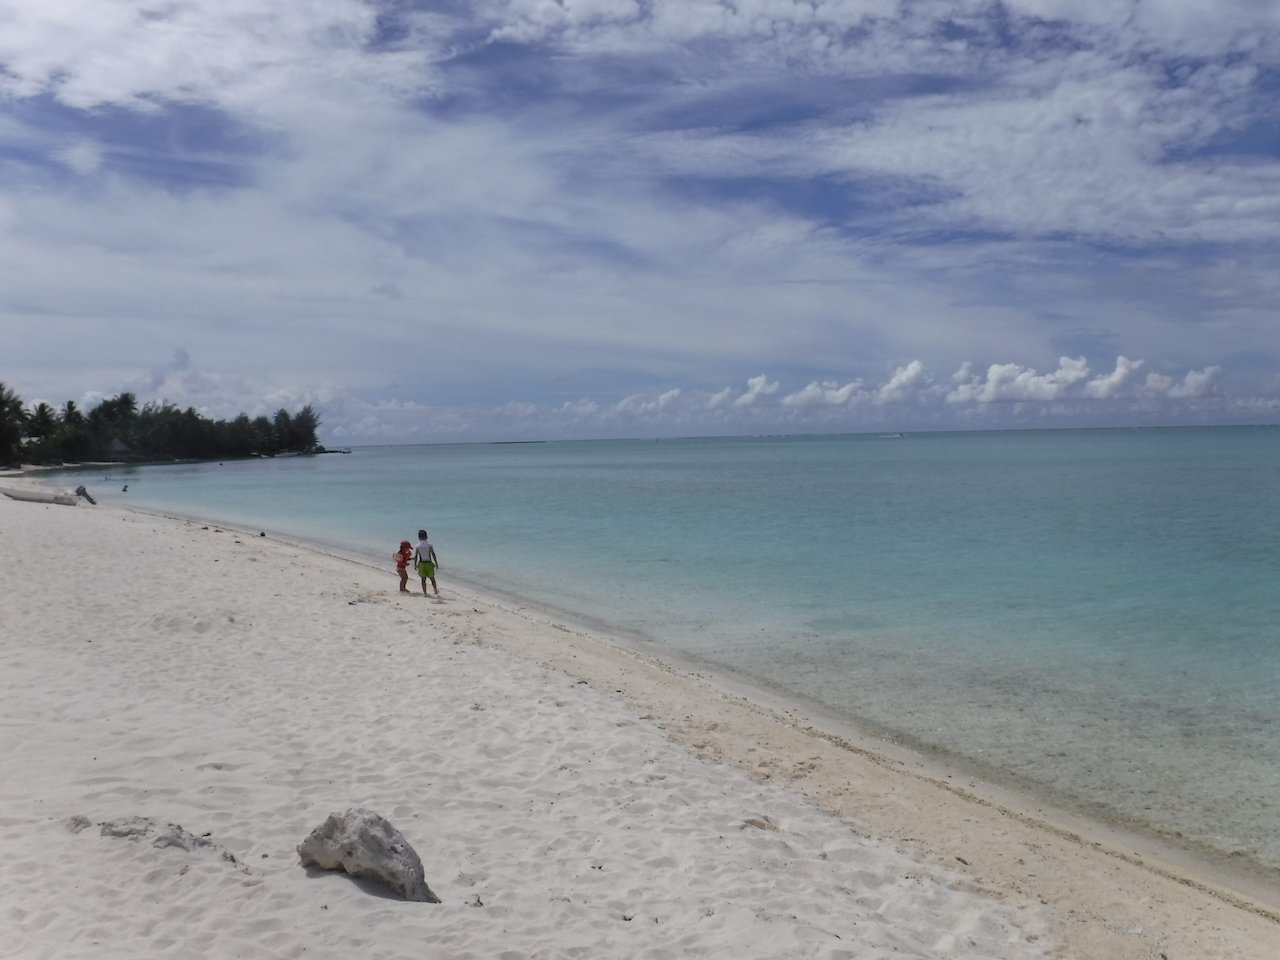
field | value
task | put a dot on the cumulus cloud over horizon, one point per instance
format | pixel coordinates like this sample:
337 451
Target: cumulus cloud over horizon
1007 396
523 218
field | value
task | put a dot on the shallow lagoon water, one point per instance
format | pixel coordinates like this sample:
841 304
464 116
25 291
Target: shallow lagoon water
1088 614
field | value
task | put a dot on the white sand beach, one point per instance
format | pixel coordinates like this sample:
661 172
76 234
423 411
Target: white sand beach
568 798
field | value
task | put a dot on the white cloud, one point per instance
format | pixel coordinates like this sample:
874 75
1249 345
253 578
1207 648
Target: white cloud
1178 22
580 408
903 385
1013 382
828 393
1103 386
1075 149
1197 383
721 398
757 387
243 53
639 403
83 156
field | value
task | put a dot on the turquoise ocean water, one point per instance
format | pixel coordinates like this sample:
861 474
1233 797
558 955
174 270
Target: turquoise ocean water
1091 615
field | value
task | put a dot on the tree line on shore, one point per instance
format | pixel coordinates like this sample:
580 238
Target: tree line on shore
118 429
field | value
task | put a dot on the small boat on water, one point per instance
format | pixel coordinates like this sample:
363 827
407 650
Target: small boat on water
38 496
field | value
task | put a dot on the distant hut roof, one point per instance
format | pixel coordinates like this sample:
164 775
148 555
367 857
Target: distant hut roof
117 449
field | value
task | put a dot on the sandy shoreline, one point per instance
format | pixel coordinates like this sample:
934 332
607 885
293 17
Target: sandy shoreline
245 687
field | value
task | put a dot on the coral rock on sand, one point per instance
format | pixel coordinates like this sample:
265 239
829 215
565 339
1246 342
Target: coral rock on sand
365 845
161 834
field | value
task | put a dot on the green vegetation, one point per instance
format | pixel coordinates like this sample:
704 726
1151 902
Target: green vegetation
116 429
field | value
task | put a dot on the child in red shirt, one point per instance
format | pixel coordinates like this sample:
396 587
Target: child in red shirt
402 563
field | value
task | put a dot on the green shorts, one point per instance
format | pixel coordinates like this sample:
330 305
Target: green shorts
426 570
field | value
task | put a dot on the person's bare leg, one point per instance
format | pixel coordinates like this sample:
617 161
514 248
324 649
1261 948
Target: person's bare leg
433 586
424 586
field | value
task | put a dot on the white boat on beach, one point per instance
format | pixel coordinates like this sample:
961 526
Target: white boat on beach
39 496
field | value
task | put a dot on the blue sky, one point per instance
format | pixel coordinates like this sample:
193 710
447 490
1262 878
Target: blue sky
527 219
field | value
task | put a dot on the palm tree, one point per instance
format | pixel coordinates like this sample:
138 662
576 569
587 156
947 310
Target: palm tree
127 407
282 432
12 419
42 422
71 414
122 408
305 423
10 402
74 439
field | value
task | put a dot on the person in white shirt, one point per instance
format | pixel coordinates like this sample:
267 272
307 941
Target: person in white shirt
425 558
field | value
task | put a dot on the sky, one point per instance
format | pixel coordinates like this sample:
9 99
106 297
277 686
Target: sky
439 220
